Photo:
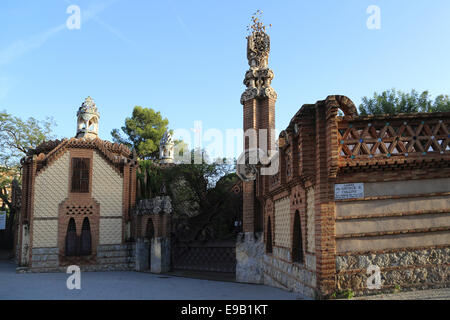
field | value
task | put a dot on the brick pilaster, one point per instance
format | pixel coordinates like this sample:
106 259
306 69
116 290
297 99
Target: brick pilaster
324 209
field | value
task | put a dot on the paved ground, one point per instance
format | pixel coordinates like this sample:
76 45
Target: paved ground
145 286
128 285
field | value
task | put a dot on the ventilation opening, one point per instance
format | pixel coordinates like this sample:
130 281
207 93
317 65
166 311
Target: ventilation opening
269 242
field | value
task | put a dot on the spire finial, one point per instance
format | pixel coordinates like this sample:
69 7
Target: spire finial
166 148
258 43
257 25
259 77
87 119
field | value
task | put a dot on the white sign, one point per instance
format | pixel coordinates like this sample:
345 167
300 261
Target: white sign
348 191
2 220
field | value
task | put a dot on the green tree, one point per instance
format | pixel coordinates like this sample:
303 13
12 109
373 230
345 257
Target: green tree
143 132
17 136
150 179
204 206
395 101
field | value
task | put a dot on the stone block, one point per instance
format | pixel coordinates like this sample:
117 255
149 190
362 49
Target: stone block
249 257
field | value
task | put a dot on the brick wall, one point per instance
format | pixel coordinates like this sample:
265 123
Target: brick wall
401 224
402 227
49 204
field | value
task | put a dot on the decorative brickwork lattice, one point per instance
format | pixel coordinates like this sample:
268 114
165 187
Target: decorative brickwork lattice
282 223
79 210
390 138
310 223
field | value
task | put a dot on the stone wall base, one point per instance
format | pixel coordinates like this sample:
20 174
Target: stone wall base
402 270
249 255
90 268
281 273
116 257
109 258
44 258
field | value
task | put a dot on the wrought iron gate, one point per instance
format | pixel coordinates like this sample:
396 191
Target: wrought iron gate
217 256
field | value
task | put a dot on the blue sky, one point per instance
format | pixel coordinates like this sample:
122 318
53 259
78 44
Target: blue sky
187 58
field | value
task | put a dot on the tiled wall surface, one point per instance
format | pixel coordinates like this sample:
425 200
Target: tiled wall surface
51 188
282 223
110 231
107 187
45 233
310 223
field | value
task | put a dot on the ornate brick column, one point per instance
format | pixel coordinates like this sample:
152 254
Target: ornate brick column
258 102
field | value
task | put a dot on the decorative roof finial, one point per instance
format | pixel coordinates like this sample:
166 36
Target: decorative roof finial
87 120
257 25
258 46
166 148
258 79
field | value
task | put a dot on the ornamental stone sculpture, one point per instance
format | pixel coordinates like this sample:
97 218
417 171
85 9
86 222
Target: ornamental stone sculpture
166 148
259 77
87 120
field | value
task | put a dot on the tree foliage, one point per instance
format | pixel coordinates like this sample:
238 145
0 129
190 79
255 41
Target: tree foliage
17 136
150 179
395 101
143 131
204 206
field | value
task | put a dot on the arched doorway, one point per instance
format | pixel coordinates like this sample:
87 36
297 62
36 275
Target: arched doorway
297 239
149 235
86 238
71 239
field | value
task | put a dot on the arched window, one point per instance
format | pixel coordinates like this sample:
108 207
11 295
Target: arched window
297 242
71 239
86 239
269 237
